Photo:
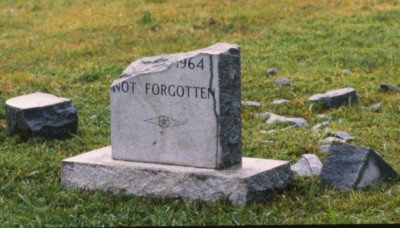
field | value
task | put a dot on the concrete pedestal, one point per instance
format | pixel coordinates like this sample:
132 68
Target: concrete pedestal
252 181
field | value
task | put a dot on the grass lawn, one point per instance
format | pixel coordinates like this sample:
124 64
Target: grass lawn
76 48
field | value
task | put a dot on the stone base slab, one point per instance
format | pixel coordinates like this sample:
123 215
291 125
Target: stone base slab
252 181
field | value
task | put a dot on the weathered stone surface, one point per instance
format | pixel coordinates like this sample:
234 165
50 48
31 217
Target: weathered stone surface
181 109
354 167
251 182
271 71
251 103
279 102
341 135
41 115
318 126
298 121
335 98
283 81
308 165
388 87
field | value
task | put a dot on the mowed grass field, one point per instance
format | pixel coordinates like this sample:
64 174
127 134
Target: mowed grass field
76 48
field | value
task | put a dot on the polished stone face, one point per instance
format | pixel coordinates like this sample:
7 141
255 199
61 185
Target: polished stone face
181 109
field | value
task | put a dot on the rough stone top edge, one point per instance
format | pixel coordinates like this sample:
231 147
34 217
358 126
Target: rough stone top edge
39 100
155 64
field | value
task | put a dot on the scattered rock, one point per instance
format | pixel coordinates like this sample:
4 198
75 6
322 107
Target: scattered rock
278 102
331 139
335 98
298 121
346 71
318 126
388 87
251 103
376 106
271 71
263 114
41 115
308 165
322 116
354 167
324 148
267 141
283 81
341 135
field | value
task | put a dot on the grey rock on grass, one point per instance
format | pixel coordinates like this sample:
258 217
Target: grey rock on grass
298 121
335 98
271 71
331 139
279 102
251 104
346 71
388 87
376 106
341 135
325 148
318 126
41 115
308 165
354 167
283 81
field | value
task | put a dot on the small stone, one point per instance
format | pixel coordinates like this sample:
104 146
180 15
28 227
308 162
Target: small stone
267 141
93 117
281 101
354 167
283 81
324 148
251 103
329 140
341 135
298 121
335 98
388 87
346 71
41 115
340 120
322 116
318 126
263 114
376 106
308 165
271 71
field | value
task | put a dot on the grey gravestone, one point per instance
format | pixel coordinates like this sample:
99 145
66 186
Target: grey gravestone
355 167
187 107
41 115
335 98
308 165
176 132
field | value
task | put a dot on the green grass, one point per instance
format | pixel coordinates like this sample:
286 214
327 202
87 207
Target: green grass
76 48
